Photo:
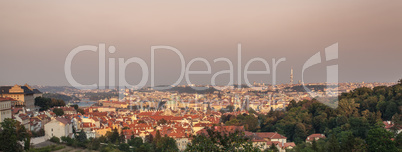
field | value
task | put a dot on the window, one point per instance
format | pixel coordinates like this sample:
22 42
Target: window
52 130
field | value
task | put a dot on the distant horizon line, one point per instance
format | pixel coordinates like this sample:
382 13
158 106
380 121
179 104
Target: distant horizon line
267 84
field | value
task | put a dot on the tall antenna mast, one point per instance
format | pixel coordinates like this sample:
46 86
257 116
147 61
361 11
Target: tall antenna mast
291 75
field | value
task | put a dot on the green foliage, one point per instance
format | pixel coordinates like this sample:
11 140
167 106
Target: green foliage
229 108
55 139
101 95
333 144
166 144
114 136
135 142
398 141
82 137
67 140
48 148
81 111
39 133
273 148
94 144
157 137
124 147
47 103
11 133
250 122
109 148
58 111
379 139
60 96
149 138
348 126
162 121
75 106
217 141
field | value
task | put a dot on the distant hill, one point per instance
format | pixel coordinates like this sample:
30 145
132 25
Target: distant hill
55 89
60 97
300 88
187 89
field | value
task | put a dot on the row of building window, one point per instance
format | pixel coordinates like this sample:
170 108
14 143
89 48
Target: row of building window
5 106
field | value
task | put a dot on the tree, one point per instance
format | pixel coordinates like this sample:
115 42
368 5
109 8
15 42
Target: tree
135 141
230 108
300 133
348 107
27 143
350 143
82 137
379 139
233 122
124 147
114 136
390 111
109 148
157 137
58 111
94 144
167 144
67 140
146 147
273 148
359 126
314 145
46 103
43 103
221 141
75 106
333 144
81 111
161 122
149 138
55 139
12 132
398 141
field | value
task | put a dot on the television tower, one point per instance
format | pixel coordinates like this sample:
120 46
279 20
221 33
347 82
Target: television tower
291 75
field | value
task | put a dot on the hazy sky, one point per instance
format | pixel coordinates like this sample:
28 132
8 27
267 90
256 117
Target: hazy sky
36 37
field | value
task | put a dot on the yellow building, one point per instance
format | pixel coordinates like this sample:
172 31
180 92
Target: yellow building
115 104
102 132
24 95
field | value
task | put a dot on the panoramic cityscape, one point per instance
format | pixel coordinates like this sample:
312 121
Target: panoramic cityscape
156 76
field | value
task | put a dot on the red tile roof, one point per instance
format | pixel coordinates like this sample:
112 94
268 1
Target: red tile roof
7 99
63 120
389 124
286 145
270 135
314 136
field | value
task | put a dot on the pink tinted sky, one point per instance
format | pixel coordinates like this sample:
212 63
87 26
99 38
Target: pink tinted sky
36 36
